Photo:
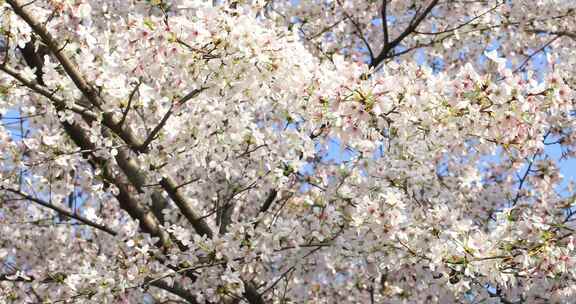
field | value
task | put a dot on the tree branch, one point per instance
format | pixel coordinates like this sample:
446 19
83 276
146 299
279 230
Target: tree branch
250 291
571 35
55 49
447 30
50 95
156 129
269 200
384 23
109 120
61 211
384 53
162 123
148 222
174 289
529 57
361 35
185 206
132 94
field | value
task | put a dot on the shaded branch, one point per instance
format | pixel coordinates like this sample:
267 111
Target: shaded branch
225 217
148 223
269 200
250 291
34 59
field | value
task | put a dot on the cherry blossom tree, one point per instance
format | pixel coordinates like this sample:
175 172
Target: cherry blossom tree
179 151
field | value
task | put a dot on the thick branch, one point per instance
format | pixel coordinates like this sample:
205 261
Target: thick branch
56 49
148 222
109 120
175 289
35 59
225 217
137 178
185 206
384 23
250 291
71 70
128 166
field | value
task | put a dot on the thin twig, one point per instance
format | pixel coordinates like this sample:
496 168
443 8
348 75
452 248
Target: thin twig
58 103
61 211
361 35
162 123
462 24
156 129
529 57
132 94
